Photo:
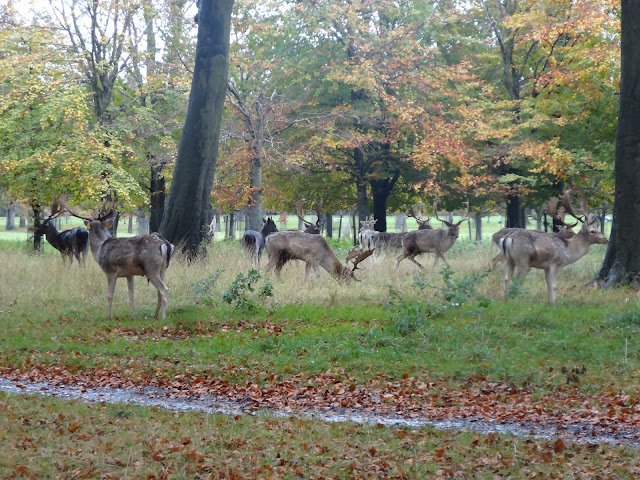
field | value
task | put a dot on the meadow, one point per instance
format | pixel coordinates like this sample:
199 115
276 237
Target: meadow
397 340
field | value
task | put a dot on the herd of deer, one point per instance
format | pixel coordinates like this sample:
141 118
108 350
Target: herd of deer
149 255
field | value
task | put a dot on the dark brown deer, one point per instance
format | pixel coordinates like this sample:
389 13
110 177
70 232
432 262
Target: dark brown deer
437 241
253 242
311 249
70 243
311 227
548 251
148 256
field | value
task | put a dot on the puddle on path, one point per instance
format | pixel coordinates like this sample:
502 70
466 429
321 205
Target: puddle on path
162 398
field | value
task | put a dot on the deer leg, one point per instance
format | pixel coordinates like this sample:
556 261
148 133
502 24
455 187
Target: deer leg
402 256
551 275
508 273
132 298
412 258
162 296
111 286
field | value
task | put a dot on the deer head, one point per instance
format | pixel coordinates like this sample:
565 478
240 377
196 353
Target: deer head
423 223
454 228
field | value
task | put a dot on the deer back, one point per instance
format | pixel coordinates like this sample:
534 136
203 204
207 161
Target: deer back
146 255
434 240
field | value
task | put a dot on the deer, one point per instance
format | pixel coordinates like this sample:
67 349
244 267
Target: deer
148 255
564 229
314 251
423 223
70 243
253 242
367 234
310 227
437 240
548 251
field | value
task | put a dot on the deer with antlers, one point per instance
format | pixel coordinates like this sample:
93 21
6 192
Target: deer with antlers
310 227
148 256
437 240
70 243
564 230
254 242
314 251
423 223
548 251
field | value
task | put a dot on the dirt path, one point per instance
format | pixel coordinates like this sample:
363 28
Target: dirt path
483 408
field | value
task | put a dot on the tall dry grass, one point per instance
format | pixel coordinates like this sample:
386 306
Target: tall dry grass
43 282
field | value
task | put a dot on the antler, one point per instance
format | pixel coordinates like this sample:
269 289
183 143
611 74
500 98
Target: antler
358 255
55 211
104 212
319 222
300 213
565 201
420 220
435 210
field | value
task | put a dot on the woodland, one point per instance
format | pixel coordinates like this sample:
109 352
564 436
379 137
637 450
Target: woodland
371 106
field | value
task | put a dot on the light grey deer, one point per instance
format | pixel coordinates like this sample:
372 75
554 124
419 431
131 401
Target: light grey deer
367 233
558 215
311 249
437 240
148 255
548 251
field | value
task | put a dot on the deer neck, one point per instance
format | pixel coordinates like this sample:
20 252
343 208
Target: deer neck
578 247
98 234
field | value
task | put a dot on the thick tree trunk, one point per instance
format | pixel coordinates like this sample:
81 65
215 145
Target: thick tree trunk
514 216
380 191
11 217
329 224
232 232
187 209
622 261
37 223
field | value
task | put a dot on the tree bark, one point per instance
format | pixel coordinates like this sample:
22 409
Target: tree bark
11 217
157 189
478 221
37 222
514 216
380 191
329 224
184 221
621 264
362 204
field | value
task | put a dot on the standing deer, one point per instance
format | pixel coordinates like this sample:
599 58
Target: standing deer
148 256
548 251
70 243
311 249
564 230
423 223
367 233
437 240
310 227
253 242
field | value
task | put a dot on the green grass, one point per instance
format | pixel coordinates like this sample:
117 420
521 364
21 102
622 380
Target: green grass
51 438
52 320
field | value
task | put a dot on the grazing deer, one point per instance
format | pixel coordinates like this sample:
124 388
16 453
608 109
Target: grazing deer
311 249
253 242
558 215
310 227
367 233
70 243
437 240
548 251
148 256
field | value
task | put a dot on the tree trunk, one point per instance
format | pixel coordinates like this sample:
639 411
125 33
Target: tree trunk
232 232
380 191
621 264
187 209
514 217
329 223
11 217
362 204
157 187
23 220
37 222
142 226
478 221
340 227
130 226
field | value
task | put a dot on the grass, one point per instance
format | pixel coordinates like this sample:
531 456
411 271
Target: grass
52 318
